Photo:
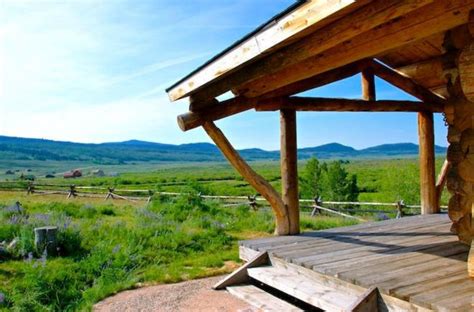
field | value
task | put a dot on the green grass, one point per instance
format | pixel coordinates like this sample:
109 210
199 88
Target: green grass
385 180
105 248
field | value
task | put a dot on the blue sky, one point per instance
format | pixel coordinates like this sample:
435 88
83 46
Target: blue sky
96 71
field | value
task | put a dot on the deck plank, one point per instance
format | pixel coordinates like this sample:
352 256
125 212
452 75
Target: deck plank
355 244
261 299
305 247
362 252
415 259
267 242
382 263
417 288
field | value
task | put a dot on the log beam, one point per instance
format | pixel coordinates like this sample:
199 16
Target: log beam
368 84
366 18
318 80
405 83
345 105
218 111
433 18
289 168
430 72
427 163
254 179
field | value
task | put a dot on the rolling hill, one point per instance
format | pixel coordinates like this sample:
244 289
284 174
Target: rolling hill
15 148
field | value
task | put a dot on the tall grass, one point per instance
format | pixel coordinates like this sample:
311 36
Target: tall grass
105 248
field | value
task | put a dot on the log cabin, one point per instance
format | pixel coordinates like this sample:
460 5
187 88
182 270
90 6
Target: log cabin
423 47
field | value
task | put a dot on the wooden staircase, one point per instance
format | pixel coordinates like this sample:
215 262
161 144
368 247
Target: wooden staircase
271 284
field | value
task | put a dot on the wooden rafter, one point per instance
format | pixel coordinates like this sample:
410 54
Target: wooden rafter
346 28
431 19
346 105
304 19
258 182
318 80
405 83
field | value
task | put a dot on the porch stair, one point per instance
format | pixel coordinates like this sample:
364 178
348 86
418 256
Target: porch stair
271 284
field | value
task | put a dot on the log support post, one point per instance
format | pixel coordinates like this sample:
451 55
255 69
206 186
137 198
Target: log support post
368 84
289 168
427 163
254 179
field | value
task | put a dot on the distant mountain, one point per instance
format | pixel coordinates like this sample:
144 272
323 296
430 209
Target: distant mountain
13 148
397 149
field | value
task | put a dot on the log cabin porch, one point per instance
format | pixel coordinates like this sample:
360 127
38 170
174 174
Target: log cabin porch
424 48
415 263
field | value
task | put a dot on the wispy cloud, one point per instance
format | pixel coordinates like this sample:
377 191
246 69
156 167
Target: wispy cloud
153 68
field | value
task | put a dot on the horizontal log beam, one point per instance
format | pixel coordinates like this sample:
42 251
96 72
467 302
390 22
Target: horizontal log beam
311 104
191 120
406 84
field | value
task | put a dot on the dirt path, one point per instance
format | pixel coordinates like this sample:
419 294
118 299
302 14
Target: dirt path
195 295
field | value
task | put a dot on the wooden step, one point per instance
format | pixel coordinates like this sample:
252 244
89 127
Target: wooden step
260 299
304 288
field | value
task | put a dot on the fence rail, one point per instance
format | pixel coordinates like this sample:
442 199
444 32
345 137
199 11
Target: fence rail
317 205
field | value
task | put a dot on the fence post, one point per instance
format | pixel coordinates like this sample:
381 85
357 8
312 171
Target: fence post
30 189
252 202
72 191
400 205
110 193
317 202
150 195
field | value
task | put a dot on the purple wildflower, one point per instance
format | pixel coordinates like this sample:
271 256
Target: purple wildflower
2 298
116 249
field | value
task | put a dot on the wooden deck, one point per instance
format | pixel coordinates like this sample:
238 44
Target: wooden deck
415 259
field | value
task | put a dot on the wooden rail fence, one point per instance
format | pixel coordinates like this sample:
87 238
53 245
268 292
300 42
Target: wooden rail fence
316 205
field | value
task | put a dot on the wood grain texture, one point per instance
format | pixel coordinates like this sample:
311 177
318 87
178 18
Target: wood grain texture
314 104
368 84
406 258
338 32
414 26
427 163
306 18
289 168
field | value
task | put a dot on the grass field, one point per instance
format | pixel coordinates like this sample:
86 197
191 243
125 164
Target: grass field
385 180
105 247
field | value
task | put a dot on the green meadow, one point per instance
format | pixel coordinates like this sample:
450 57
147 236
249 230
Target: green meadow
108 246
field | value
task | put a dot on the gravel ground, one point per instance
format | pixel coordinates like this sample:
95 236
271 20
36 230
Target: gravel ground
195 295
